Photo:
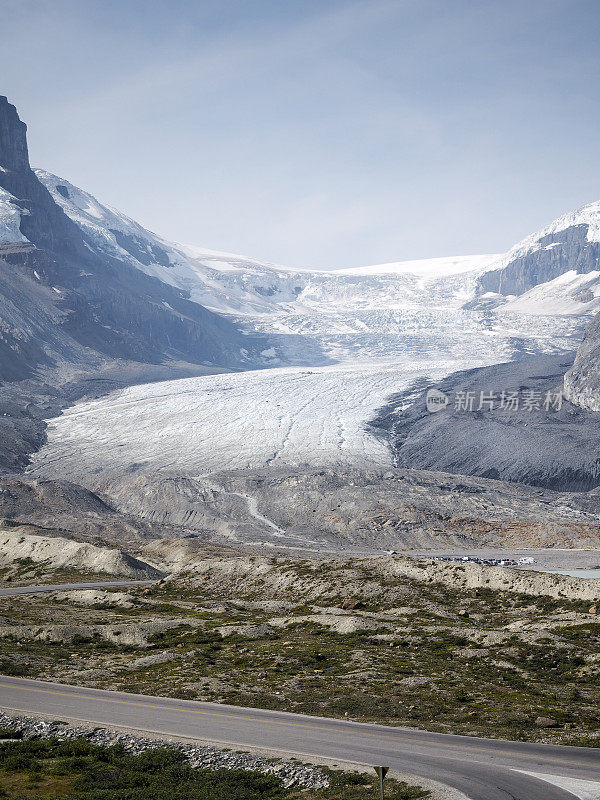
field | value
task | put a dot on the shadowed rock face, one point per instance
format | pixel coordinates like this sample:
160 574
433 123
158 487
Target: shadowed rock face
558 253
13 137
42 221
582 381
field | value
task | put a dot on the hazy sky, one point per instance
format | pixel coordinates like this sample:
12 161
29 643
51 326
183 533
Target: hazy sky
315 132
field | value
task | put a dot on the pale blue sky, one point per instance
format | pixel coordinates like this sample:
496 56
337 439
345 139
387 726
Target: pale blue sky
331 133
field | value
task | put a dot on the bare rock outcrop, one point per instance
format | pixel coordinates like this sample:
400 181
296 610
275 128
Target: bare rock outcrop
582 381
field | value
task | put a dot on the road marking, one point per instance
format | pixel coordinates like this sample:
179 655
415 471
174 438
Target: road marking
584 790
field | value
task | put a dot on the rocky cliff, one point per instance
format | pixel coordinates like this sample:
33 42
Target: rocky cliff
13 138
555 254
582 381
43 223
570 243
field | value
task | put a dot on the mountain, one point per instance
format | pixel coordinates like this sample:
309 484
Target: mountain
88 291
76 320
553 275
413 308
316 315
66 301
555 270
238 285
223 282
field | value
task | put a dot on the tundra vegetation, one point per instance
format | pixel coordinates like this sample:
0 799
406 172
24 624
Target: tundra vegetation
328 638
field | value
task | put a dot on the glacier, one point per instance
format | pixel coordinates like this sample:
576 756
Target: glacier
373 331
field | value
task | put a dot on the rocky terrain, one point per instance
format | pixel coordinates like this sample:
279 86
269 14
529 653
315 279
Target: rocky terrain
365 579
69 509
357 510
23 546
582 381
310 510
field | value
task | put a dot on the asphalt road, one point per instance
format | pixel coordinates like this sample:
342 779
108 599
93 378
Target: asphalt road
7 591
484 769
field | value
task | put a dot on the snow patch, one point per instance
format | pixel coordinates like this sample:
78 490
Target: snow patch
570 294
10 219
427 267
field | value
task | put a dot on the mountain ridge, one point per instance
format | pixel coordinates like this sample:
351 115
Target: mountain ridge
238 285
101 303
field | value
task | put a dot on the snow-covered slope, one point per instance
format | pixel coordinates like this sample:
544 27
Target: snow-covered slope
427 267
588 215
222 282
188 265
242 286
292 301
10 219
571 293
433 308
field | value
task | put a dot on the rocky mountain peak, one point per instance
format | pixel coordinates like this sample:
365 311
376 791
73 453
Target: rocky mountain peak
43 222
13 138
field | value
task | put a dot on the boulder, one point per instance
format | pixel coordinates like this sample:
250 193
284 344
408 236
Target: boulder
546 722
